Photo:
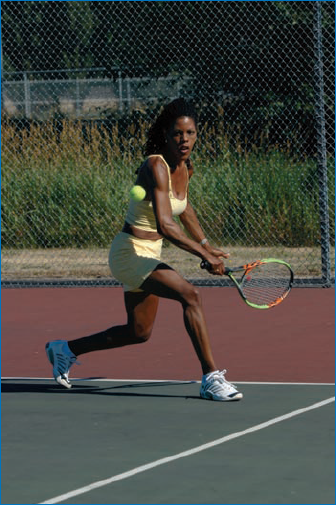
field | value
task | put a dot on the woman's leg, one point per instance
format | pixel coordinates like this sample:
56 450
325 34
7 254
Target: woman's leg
141 311
167 283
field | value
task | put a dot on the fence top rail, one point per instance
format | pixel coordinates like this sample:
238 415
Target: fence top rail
101 79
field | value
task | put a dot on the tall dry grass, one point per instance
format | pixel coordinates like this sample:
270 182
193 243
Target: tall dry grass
68 187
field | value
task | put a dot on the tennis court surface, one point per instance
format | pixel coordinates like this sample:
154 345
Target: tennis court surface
133 428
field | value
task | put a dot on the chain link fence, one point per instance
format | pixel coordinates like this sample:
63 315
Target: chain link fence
81 84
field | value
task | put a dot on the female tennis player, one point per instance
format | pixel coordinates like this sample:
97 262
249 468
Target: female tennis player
135 255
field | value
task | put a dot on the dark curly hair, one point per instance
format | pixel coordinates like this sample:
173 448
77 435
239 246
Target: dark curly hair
175 109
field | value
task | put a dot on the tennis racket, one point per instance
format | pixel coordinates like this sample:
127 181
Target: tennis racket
262 284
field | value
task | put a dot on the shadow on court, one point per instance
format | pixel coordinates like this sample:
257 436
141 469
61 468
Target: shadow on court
8 386
271 447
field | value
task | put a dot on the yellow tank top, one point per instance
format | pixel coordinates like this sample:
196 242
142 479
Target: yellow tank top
141 214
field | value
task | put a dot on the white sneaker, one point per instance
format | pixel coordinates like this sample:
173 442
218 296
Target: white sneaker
215 387
62 359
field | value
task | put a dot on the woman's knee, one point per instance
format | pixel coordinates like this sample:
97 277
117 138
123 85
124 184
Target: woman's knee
141 309
141 333
192 296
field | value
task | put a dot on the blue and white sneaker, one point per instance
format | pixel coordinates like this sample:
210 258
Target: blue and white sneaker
62 359
215 387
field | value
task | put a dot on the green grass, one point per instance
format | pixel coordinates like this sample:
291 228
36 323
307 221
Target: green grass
261 197
59 190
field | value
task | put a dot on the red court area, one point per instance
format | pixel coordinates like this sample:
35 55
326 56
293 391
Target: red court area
293 342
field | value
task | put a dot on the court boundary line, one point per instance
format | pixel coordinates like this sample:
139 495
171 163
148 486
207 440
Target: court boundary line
176 381
189 452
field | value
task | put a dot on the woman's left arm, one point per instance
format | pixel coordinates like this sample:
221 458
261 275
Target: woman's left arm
190 221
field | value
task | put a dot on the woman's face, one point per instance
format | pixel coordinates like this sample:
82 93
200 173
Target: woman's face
181 137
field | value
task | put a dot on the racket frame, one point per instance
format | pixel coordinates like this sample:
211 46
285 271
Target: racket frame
246 269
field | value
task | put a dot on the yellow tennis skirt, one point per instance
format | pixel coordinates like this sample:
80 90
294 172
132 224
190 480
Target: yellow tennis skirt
133 259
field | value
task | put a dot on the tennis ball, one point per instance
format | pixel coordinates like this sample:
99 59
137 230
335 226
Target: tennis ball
137 193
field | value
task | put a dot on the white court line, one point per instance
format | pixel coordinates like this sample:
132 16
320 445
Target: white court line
174 381
190 452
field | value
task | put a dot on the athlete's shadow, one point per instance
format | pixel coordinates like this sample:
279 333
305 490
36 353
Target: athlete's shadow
28 386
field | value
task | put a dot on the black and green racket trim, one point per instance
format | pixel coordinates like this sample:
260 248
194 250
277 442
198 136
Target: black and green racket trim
245 268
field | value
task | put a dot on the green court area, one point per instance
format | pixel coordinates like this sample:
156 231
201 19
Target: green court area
114 442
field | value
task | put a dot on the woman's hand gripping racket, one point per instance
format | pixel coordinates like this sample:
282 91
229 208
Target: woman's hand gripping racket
262 284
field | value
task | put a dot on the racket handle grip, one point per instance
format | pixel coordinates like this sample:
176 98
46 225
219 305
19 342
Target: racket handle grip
206 265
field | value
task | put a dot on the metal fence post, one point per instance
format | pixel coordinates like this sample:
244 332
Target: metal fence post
26 85
120 92
128 90
2 96
321 147
77 99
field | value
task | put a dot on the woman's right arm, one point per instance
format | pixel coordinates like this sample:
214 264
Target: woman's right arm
158 182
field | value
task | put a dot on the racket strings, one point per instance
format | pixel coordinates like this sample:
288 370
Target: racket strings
266 284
